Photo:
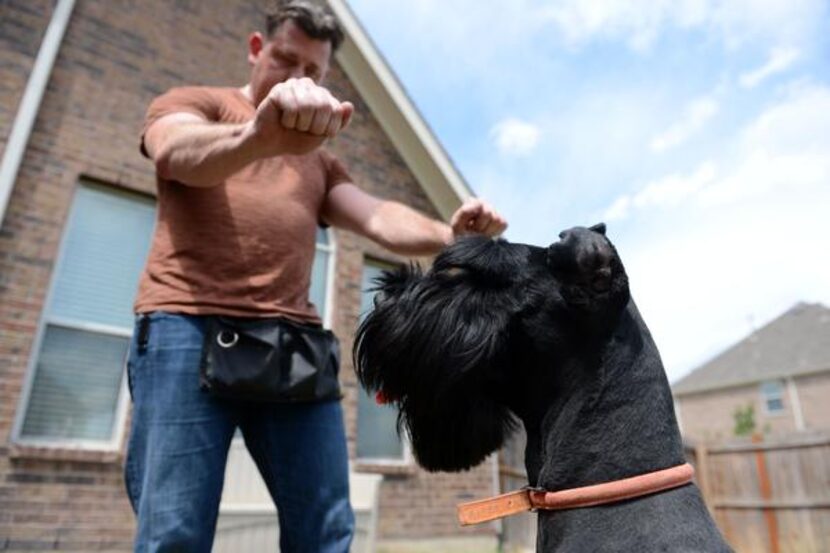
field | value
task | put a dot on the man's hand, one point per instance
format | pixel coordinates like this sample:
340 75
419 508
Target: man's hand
297 116
477 217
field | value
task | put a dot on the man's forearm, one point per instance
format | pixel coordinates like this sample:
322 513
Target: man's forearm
295 118
205 154
407 232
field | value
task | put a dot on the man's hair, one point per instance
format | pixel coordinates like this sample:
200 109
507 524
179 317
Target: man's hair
315 20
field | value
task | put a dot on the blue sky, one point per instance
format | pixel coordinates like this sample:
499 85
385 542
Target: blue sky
699 130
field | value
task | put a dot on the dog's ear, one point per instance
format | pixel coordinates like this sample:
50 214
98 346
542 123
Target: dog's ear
372 341
436 345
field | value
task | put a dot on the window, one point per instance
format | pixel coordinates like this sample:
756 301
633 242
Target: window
377 436
76 394
321 275
772 393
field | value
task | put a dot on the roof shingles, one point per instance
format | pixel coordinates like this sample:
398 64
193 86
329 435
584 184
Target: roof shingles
797 342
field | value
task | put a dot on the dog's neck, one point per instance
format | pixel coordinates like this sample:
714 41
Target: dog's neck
606 416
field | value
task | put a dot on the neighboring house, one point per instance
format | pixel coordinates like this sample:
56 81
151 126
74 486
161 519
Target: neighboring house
781 370
77 210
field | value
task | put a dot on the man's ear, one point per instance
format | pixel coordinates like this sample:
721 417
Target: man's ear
256 43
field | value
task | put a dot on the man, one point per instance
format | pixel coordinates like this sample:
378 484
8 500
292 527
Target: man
242 185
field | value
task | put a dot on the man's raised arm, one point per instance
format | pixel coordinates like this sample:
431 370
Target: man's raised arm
402 229
296 117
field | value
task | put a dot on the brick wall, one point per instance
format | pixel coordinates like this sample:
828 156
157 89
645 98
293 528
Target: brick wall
116 56
709 415
22 26
813 392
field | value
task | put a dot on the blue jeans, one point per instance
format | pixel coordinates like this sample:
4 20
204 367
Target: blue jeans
179 446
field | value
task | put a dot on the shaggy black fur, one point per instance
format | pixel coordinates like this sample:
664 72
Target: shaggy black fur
498 334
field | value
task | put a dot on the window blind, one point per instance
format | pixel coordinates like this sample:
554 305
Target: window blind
79 369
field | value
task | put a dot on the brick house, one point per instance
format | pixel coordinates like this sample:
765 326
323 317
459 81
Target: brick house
77 209
782 370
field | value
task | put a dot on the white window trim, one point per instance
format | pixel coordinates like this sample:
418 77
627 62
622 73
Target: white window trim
331 274
109 330
120 419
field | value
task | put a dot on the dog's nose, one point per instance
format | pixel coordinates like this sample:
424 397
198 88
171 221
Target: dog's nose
593 255
583 251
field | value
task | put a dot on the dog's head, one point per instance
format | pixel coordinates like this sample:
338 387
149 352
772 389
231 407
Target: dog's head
442 344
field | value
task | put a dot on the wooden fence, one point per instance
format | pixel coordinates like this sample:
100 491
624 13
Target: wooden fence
768 495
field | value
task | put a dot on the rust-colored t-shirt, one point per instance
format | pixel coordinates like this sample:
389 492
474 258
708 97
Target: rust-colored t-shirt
244 247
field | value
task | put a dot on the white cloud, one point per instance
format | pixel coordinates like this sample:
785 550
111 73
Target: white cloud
640 24
515 137
798 124
791 22
698 280
475 42
780 60
714 248
694 118
787 145
668 191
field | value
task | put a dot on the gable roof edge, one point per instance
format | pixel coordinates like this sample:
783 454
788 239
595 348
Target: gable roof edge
728 385
398 116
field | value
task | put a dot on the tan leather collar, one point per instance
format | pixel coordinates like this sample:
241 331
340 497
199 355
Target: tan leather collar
520 501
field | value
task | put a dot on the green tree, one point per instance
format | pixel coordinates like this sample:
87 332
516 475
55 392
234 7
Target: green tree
744 420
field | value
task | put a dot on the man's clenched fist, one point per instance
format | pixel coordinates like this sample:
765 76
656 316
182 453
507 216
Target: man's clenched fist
298 115
477 217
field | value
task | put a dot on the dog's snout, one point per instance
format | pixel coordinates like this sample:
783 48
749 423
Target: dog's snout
594 256
583 251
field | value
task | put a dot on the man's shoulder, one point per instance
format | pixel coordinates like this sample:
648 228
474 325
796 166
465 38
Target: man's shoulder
211 102
336 172
200 92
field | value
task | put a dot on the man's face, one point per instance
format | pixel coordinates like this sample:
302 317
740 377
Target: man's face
289 53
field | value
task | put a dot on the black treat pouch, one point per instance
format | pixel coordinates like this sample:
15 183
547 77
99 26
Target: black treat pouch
270 360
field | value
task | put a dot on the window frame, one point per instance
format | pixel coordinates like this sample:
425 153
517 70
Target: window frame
44 320
407 458
779 395
331 273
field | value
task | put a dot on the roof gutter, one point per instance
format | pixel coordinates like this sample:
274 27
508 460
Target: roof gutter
30 103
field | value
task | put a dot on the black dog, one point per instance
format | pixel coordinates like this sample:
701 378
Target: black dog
497 333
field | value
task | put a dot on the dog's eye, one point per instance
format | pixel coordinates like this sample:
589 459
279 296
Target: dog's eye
454 272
